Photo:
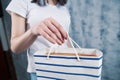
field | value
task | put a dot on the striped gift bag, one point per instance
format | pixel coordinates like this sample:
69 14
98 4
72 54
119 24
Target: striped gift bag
65 64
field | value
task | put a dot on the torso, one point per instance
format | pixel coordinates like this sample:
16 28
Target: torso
36 15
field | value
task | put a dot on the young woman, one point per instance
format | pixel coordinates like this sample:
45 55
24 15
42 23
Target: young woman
38 24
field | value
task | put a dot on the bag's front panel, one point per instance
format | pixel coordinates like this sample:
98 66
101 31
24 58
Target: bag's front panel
67 65
67 68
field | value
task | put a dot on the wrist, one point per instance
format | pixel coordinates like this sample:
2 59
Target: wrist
33 33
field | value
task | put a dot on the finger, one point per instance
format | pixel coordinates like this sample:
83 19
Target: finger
52 35
60 28
54 30
45 35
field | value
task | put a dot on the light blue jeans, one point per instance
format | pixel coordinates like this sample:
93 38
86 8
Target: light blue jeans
33 76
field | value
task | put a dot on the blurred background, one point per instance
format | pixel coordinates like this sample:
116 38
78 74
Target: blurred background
95 24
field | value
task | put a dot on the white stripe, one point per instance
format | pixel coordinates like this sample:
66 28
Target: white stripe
93 63
66 77
70 70
71 50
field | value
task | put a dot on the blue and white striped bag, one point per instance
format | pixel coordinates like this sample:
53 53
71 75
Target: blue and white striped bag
62 64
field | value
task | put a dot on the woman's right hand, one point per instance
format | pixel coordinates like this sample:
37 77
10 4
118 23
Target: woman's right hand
51 30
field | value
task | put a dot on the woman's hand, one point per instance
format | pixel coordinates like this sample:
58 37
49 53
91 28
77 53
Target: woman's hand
51 30
22 39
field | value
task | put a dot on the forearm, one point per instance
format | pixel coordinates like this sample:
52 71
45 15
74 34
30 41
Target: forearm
48 28
21 43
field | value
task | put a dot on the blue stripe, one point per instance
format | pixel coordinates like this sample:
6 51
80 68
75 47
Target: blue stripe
77 74
46 77
73 66
68 57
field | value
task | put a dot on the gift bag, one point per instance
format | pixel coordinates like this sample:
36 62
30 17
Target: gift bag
68 64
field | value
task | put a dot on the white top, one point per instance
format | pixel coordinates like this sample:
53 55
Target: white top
34 14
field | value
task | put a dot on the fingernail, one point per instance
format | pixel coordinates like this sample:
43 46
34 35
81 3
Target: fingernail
60 42
60 39
63 42
66 36
54 42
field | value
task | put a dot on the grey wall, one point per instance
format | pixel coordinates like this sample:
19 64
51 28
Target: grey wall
95 24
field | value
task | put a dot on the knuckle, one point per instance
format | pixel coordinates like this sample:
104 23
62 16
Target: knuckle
58 26
55 30
41 23
46 21
36 27
46 36
41 32
49 18
50 33
58 34
54 36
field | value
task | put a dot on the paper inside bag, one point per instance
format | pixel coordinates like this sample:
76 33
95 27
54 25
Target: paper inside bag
71 52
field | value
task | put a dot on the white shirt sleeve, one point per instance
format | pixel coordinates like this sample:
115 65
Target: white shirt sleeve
19 7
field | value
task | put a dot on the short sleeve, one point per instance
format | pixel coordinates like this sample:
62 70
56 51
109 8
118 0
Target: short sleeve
19 7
